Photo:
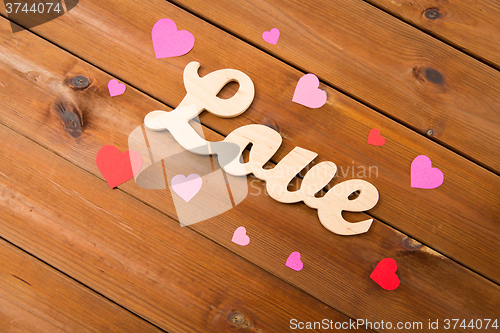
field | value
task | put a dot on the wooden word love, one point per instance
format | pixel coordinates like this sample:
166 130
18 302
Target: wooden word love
202 95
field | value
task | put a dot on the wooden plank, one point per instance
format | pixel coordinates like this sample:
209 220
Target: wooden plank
381 61
37 298
336 268
471 26
468 233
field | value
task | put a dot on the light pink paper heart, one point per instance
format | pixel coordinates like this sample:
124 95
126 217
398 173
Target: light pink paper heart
240 236
116 88
271 36
294 261
168 42
423 175
307 92
186 187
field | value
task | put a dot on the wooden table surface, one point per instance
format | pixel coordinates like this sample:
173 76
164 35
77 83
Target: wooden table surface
78 256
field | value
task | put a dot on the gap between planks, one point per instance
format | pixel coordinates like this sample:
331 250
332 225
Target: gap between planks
302 70
97 176
436 35
347 93
272 161
46 264
173 218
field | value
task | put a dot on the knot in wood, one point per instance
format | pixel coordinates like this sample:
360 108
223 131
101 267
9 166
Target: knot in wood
236 319
432 13
409 244
433 76
70 116
79 82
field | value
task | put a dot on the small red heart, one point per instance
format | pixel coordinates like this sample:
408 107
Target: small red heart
385 274
374 138
117 168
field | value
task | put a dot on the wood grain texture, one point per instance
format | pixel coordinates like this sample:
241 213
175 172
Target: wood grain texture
381 61
134 255
139 249
37 298
118 246
471 26
460 219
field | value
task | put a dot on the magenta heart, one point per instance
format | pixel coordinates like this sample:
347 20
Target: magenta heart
240 236
423 175
168 42
186 187
307 92
294 261
116 88
271 36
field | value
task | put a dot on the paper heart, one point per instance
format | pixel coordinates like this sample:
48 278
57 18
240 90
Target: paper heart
423 175
294 261
115 167
385 274
240 236
307 92
116 88
374 138
271 36
168 42
186 187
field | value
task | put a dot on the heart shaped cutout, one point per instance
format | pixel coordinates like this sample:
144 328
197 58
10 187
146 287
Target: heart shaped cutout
186 187
271 36
375 138
170 42
116 88
240 236
423 175
385 274
294 261
117 168
307 92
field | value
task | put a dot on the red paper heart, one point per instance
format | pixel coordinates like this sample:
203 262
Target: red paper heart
374 138
115 167
385 274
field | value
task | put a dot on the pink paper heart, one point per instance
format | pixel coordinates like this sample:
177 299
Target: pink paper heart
307 92
271 36
374 138
294 261
186 187
423 175
240 236
117 168
385 274
116 88
168 42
